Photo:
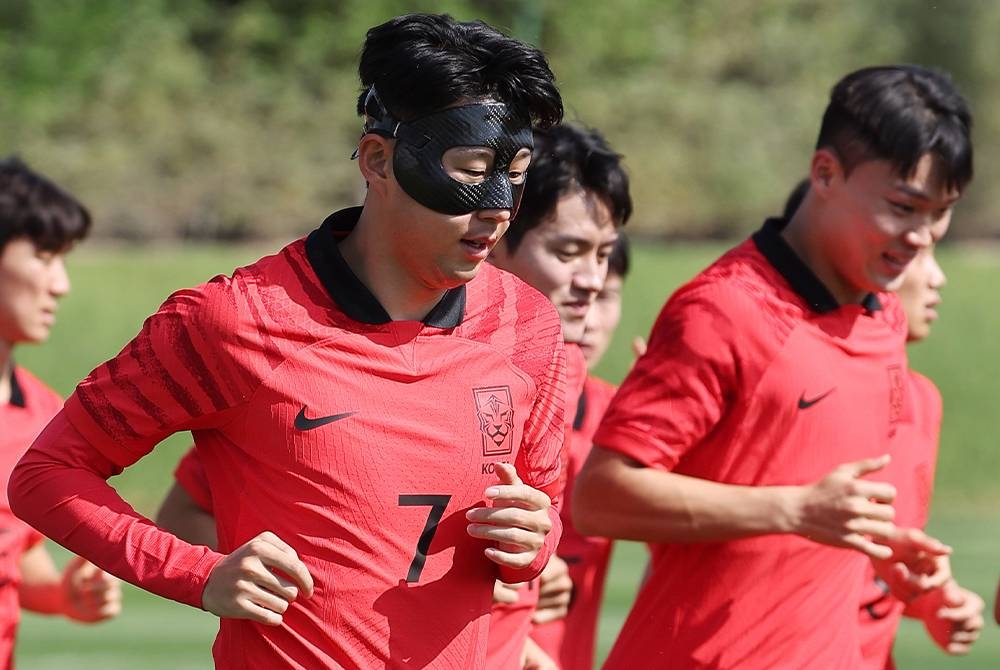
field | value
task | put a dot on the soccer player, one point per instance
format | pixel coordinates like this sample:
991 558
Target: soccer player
575 201
774 381
39 224
952 615
379 415
571 640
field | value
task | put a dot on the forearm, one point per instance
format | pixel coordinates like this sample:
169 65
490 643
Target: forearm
60 488
616 499
43 598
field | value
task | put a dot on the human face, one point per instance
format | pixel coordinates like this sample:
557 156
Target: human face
880 222
565 257
440 251
602 320
920 293
31 283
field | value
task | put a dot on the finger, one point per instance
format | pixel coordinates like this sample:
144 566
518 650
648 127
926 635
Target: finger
267 599
511 517
518 495
915 540
514 560
876 530
254 612
864 467
870 508
867 547
638 346
505 593
880 492
507 474
290 565
516 539
546 615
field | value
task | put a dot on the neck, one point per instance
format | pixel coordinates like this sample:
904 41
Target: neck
369 254
802 233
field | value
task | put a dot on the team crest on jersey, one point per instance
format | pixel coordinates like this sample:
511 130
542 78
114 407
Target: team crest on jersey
895 394
496 419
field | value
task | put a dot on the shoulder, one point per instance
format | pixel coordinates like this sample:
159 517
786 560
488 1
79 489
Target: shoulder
925 392
261 295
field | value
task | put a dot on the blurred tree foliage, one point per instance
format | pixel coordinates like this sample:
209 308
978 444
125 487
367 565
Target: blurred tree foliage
235 118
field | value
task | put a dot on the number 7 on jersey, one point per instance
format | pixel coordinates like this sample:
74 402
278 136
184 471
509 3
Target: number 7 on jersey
437 503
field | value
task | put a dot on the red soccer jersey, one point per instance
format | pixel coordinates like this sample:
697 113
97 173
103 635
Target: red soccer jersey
755 376
570 641
911 471
31 405
510 624
360 441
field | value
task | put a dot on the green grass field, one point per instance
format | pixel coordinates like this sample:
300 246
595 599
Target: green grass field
114 289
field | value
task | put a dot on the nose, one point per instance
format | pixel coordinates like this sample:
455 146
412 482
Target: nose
919 237
59 284
497 216
938 278
590 275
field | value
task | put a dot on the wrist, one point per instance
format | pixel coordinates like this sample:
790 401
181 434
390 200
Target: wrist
783 508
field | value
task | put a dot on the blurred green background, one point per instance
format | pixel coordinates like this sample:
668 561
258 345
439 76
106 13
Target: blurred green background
232 119
184 124
115 288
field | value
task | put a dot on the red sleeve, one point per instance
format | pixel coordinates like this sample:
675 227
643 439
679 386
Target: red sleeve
60 487
190 476
678 391
540 459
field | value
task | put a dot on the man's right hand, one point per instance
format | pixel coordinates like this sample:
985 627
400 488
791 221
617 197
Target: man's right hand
251 582
843 510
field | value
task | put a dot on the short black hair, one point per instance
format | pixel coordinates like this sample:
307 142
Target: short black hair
795 198
567 158
423 63
900 113
620 259
34 207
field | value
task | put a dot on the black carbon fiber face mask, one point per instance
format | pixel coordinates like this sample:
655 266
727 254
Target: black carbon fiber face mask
421 144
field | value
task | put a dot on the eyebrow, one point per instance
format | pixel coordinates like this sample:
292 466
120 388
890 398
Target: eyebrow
921 195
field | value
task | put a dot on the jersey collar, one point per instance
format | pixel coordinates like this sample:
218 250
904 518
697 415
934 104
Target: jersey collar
803 281
350 294
16 393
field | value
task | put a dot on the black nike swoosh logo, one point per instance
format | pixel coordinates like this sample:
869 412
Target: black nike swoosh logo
302 422
806 404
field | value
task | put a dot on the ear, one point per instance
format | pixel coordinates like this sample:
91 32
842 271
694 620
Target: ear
375 159
825 172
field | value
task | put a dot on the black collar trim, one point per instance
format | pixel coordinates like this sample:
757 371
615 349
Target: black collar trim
350 294
803 281
16 393
581 410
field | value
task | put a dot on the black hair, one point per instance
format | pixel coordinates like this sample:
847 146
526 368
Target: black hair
794 199
620 259
423 63
567 158
898 114
32 206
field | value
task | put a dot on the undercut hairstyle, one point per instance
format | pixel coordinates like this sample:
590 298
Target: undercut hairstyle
620 259
566 159
794 199
422 63
34 207
899 114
